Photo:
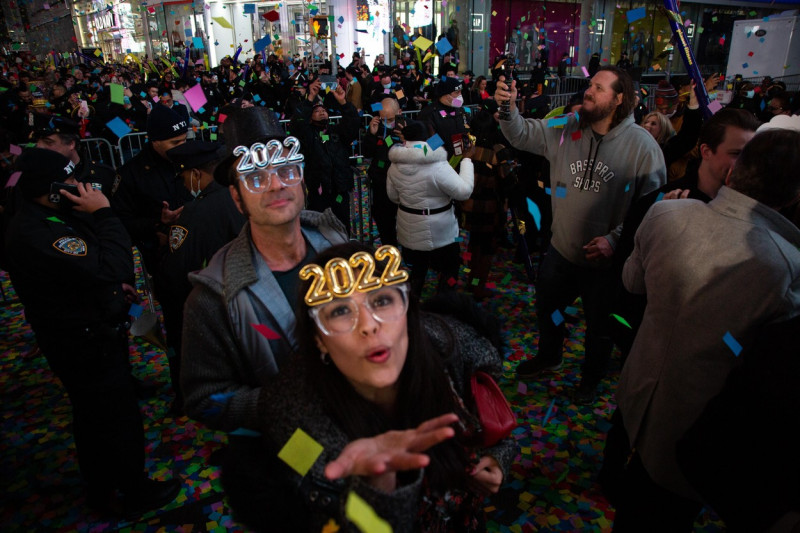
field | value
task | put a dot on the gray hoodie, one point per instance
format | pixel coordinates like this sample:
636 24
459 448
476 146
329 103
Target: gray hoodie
593 182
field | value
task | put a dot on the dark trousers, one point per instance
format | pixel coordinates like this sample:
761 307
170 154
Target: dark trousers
641 504
106 421
383 211
444 260
559 284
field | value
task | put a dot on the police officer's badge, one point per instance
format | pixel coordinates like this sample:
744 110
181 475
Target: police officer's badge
177 234
71 246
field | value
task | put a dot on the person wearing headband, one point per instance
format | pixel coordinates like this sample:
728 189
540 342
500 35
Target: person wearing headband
376 380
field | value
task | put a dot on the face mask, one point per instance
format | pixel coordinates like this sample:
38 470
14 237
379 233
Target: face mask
195 193
458 101
387 85
750 94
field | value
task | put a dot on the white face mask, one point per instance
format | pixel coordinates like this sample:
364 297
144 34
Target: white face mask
387 85
458 101
194 193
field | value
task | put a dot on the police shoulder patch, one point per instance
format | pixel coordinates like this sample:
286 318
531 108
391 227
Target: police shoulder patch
177 234
71 246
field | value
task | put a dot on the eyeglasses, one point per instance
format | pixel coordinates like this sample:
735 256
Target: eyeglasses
260 180
340 316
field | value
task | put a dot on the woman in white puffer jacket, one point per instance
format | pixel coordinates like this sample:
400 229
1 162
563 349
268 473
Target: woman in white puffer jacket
423 184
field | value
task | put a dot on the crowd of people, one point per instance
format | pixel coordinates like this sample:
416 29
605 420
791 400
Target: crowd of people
676 227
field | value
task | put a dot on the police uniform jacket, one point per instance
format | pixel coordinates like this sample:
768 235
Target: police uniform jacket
207 224
145 182
447 121
97 174
68 268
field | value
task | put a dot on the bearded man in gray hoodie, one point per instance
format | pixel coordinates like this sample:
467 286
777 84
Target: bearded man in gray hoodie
600 162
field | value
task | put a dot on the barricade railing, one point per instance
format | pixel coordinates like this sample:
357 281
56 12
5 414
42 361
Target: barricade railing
129 145
100 150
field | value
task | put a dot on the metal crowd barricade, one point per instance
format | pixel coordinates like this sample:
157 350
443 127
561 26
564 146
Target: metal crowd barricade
100 150
129 145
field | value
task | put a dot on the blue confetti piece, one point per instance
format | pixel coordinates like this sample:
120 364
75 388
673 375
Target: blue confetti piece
732 343
547 414
443 46
136 310
636 14
547 191
221 397
376 107
561 192
660 197
571 310
557 121
557 317
435 142
244 432
627 187
118 127
533 209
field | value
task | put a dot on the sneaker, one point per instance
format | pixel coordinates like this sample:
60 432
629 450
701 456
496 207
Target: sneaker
533 367
149 496
585 394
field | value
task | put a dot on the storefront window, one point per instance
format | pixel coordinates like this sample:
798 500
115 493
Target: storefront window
535 32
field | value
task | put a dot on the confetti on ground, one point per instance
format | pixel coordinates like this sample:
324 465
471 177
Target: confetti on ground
552 485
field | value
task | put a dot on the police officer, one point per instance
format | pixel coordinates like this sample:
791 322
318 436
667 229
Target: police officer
205 225
70 261
150 196
446 114
63 135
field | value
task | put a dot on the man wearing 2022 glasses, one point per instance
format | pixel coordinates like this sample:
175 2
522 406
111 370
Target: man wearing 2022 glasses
239 319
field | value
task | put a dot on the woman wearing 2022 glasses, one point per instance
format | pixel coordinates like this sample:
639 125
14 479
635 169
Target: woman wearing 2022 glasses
383 387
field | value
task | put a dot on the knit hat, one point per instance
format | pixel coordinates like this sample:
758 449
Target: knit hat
665 91
164 123
447 86
415 130
39 168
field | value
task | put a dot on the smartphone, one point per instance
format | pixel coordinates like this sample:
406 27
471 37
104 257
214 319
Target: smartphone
55 192
328 82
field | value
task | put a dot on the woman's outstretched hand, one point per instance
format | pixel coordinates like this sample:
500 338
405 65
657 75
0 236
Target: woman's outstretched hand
380 457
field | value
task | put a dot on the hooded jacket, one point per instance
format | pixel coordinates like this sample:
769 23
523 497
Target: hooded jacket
593 182
421 178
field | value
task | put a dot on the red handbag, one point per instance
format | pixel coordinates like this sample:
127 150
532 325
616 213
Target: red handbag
497 419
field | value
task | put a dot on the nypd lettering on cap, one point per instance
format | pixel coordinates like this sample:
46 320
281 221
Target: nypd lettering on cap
71 246
177 234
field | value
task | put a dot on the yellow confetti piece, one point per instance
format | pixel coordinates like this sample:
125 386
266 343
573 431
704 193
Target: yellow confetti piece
300 452
364 516
422 43
222 21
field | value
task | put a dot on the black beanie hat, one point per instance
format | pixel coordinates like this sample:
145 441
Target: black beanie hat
164 123
41 167
414 130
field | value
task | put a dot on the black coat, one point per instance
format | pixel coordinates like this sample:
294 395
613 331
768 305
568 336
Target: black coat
68 267
146 181
327 150
447 121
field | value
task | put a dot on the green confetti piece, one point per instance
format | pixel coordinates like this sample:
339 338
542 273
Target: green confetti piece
622 321
475 282
55 219
339 199
381 164
389 142
324 137
506 280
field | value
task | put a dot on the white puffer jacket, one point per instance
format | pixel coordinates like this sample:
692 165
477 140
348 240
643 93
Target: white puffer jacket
421 178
